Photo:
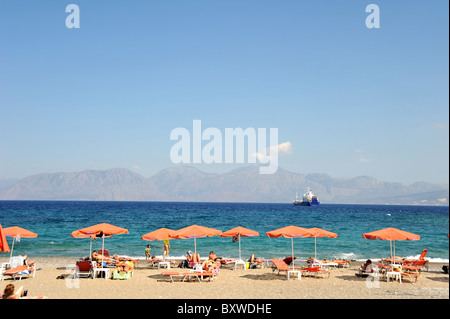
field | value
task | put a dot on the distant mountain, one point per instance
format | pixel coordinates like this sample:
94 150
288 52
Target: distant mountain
116 184
185 183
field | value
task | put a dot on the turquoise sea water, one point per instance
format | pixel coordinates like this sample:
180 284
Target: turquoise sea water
53 221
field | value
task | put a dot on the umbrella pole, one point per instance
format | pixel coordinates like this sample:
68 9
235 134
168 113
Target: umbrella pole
12 248
103 248
390 244
315 249
240 247
394 252
292 241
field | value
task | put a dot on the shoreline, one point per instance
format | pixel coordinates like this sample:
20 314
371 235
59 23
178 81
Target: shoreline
149 283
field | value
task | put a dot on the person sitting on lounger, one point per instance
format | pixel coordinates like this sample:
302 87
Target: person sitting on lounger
28 262
367 266
254 261
212 256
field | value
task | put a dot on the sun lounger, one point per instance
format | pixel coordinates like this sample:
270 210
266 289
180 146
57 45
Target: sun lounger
227 262
280 265
323 264
412 277
122 274
317 271
342 263
19 272
421 262
190 275
421 258
84 268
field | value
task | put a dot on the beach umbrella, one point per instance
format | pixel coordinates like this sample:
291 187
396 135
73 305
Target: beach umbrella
78 234
16 233
159 234
195 231
391 234
4 247
100 230
239 232
290 232
320 233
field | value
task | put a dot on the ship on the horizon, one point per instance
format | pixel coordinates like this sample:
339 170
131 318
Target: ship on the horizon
309 199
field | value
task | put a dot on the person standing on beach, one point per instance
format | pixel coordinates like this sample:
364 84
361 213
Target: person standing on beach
147 252
166 248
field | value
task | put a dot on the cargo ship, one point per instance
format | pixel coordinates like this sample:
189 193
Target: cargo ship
309 199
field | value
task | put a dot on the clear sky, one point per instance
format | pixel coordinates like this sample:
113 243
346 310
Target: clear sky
351 100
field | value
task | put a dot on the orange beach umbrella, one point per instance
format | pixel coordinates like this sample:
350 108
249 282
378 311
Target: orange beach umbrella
159 234
4 247
16 233
320 233
391 234
103 230
240 232
290 232
195 231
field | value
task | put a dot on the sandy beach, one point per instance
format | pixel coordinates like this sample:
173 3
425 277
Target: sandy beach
149 283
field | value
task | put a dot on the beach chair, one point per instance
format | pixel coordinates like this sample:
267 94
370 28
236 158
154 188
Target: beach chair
421 257
84 268
19 272
14 262
118 274
198 275
227 262
342 263
281 266
122 275
317 272
412 277
420 262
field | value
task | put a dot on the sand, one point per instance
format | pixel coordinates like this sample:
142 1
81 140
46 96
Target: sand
149 283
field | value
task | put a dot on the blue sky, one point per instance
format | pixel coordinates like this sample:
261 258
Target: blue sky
351 100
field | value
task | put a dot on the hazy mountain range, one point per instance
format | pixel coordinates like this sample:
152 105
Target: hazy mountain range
184 183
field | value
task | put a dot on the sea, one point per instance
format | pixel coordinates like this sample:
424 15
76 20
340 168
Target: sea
54 221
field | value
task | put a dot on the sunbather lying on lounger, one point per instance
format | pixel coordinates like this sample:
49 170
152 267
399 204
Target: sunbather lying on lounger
21 293
210 265
126 266
99 258
118 258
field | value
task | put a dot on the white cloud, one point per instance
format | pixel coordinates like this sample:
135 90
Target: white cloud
360 157
283 148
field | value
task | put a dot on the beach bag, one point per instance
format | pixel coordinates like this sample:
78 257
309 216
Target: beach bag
184 264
